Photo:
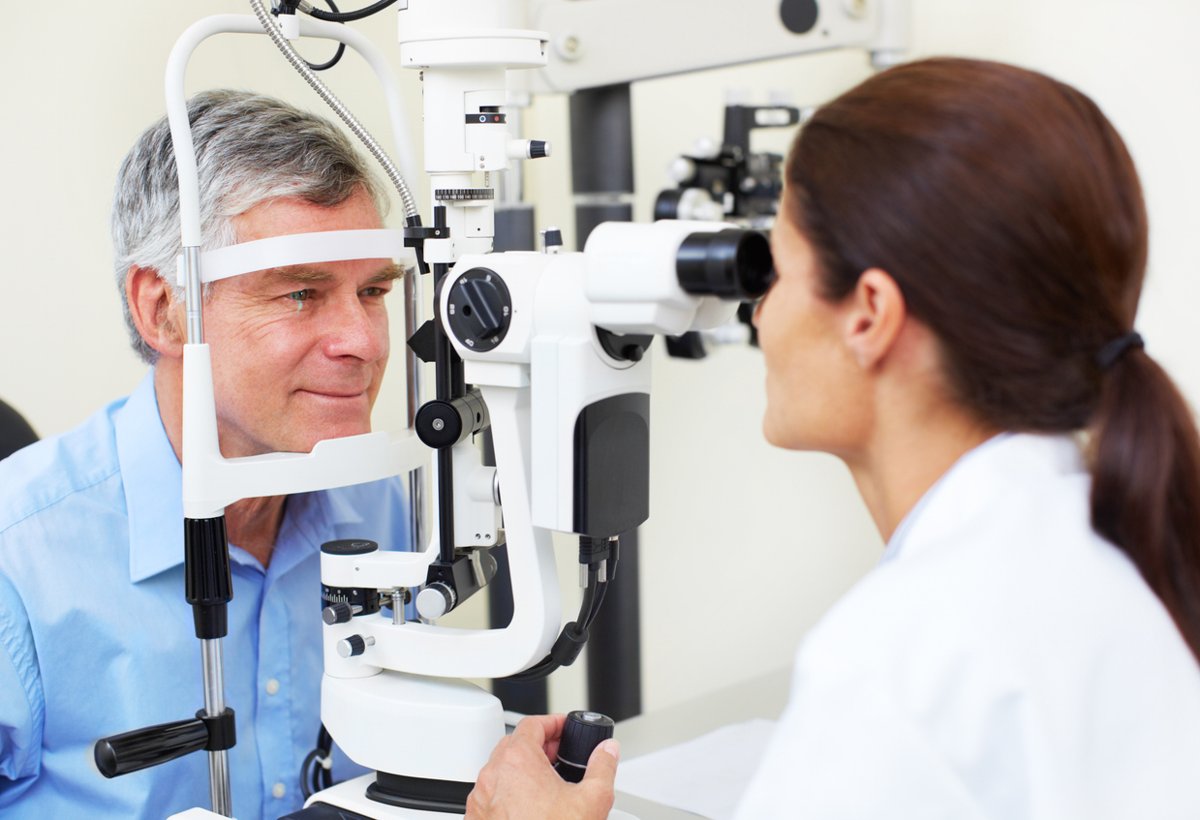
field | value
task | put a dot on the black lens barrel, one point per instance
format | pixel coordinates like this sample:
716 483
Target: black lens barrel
731 264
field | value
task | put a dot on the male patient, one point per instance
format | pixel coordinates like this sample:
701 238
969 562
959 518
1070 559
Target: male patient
95 636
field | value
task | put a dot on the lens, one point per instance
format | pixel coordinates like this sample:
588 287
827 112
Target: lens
730 264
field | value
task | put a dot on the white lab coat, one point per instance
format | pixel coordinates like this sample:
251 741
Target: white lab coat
1002 661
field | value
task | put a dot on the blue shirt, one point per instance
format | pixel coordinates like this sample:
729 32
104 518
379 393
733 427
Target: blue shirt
96 637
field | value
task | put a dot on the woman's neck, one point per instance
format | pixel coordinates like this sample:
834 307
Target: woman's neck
912 448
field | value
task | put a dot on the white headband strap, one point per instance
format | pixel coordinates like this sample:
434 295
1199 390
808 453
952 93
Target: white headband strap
298 249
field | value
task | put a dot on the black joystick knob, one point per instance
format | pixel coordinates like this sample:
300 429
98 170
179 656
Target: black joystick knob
581 734
479 309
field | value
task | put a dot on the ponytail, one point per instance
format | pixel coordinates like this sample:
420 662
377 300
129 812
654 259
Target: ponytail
1145 463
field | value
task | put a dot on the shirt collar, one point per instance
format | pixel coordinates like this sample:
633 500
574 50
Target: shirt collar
153 482
979 478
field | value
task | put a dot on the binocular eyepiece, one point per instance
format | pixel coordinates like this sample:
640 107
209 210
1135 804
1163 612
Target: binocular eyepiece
733 263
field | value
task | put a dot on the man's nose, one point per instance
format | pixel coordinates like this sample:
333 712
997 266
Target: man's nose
356 330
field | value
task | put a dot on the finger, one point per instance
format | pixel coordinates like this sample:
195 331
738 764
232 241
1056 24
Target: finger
538 729
602 765
498 750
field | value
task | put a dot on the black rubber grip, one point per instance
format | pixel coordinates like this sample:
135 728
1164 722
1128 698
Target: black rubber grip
142 748
209 584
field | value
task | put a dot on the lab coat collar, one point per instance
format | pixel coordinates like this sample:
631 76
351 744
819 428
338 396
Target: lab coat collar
977 480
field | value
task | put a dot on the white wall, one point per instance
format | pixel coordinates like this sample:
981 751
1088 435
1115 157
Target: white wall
746 545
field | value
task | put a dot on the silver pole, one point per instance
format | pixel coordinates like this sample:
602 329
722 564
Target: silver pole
193 295
214 705
412 375
210 649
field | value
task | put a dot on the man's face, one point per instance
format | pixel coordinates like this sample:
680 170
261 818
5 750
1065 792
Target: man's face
298 352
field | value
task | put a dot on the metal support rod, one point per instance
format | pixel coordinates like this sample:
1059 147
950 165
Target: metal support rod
214 705
448 375
193 295
412 383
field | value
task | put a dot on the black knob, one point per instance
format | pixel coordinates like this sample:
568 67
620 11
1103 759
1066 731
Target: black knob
435 600
582 733
552 238
338 613
438 424
354 646
538 149
479 309
349 546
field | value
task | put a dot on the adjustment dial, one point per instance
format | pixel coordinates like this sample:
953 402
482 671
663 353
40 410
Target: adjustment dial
479 309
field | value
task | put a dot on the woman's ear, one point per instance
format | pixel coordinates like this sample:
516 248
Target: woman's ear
156 315
876 314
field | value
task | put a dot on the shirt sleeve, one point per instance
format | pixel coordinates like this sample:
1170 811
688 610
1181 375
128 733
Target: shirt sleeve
845 749
21 703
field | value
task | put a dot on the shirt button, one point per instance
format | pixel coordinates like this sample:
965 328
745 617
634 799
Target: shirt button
278 790
272 686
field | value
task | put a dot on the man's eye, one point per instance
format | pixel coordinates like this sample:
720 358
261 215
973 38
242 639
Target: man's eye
374 292
300 295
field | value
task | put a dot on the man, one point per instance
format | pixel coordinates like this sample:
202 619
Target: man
95 636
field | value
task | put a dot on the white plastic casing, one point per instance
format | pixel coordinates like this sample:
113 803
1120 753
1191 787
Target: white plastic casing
632 286
439 729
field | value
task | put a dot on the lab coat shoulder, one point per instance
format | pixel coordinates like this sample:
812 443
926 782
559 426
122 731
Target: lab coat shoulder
998 667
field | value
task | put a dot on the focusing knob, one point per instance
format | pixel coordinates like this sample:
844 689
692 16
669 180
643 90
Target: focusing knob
438 424
337 614
479 309
582 733
538 149
435 600
354 646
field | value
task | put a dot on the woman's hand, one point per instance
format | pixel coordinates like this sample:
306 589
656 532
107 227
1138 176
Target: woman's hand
519 782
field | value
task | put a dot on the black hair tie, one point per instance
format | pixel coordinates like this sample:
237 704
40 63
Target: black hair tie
1112 352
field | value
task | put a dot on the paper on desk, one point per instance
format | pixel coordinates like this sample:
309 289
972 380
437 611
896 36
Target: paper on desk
706 776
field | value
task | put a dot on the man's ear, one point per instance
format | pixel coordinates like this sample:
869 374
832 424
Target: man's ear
155 313
876 315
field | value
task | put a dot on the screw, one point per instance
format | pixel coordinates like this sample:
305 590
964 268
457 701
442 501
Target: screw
439 425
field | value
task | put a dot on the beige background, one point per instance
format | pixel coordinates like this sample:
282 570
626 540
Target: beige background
746 545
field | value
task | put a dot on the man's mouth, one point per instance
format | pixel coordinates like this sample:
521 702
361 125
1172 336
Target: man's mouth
335 394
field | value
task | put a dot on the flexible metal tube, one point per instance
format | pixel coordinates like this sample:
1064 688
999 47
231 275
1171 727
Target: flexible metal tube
298 63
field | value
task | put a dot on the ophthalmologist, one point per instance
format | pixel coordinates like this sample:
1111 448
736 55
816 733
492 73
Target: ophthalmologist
960 250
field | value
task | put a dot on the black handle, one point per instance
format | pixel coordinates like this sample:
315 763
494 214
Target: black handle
582 733
142 748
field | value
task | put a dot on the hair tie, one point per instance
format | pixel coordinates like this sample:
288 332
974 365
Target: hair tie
1112 352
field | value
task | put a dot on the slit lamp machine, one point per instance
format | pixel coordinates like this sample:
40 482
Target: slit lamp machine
540 356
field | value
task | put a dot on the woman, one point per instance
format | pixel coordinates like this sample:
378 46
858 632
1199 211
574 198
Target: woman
960 251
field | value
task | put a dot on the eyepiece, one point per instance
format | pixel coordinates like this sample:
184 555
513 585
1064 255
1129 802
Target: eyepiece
730 264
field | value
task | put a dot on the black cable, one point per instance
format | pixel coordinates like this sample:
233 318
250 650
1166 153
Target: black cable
341 49
289 7
314 776
351 16
573 636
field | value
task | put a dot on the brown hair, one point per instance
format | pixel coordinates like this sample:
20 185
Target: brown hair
1008 210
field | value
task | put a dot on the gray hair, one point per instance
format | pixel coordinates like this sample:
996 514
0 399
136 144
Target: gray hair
249 149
